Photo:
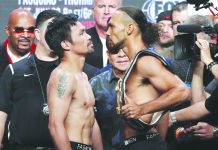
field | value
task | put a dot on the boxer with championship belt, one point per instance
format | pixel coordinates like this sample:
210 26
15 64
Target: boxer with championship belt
148 86
138 124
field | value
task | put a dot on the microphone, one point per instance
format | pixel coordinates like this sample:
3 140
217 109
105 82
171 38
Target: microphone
197 2
191 28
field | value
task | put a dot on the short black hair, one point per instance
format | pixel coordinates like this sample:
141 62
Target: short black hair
60 30
45 15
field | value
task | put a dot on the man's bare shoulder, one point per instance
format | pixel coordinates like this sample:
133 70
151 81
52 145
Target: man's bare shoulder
149 64
59 71
149 60
85 75
61 76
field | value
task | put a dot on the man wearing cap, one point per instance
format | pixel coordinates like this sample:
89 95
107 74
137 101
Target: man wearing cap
165 44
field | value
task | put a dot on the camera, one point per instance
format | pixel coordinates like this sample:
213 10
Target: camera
185 47
199 4
184 44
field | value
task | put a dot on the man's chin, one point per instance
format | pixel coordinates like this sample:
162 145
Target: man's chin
23 51
112 48
90 50
166 44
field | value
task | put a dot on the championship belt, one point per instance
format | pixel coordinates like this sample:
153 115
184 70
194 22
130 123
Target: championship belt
138 124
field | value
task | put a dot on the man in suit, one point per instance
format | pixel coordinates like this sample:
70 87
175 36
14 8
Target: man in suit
102 11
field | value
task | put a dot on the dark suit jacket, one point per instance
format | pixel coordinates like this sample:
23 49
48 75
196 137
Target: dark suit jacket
90 70
95 58
3 59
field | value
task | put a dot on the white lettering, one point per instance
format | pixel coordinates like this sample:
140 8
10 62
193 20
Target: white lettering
87 13
83 147
83 13
26 8
38 2
77 2
40 9
67 10
130 140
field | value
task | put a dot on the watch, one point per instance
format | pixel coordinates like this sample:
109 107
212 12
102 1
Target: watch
215 132
211 64
173 117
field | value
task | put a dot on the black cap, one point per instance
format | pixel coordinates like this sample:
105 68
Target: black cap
166 15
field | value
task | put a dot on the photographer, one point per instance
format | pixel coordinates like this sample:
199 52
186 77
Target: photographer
204 128
204 103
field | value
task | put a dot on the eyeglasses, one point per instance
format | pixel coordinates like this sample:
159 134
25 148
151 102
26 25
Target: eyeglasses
20 30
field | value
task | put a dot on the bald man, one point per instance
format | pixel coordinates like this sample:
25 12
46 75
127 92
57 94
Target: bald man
20 32
19 44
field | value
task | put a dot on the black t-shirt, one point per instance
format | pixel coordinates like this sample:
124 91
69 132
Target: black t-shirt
212 102
21 98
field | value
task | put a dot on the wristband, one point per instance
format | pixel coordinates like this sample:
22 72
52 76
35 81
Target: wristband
173 117
211 64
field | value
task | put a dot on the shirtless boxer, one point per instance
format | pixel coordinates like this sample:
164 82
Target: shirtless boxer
150 86
70 97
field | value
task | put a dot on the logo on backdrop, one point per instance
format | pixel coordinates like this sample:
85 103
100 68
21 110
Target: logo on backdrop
152 8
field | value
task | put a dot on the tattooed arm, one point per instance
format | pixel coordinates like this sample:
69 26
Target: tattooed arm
59 92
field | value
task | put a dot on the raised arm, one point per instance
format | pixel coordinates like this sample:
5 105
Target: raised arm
206 56
59 97
198 93
198 109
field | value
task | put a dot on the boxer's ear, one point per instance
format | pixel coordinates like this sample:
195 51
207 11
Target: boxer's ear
66 45
130 28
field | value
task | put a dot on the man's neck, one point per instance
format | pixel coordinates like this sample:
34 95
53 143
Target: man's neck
166 45
168 48
165 51
118 73
44 54
134 46
160 48
74 61
14 53
101 31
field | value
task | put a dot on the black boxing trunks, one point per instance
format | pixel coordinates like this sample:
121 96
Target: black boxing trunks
80 146
146 141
